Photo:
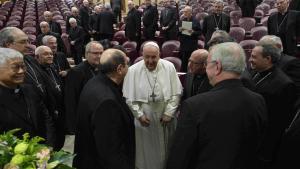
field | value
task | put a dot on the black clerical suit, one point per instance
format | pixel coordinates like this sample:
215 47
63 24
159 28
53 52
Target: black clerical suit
105 136
291 67
61 62
93 19
286 27
23 108
60 44
219 129
195 84
84 13
294 5
116 8
133 25
214 22
77 34
168 18
150 18
188 43
248 7
106 20
77 77
280 95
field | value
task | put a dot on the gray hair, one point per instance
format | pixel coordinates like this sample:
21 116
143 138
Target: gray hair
270 50
271 40
46 38
7 54
107 5
39 50
44 23
231 55
219 2
72 20
6 36
89 45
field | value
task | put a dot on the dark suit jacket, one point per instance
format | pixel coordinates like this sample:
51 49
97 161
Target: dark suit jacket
248 7
93 22
219 129
291 67
77 77
294 5
105 136
190 43
34 118
84 13
168 17
279 93
54 27
106 20
209 25
288 31
150 18
133 25
188 87
77 34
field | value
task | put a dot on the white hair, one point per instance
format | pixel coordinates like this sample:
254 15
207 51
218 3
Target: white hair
271 40
151 43
231 55
72 20
107 5
40 49
7 54
219 1
46 38
44 23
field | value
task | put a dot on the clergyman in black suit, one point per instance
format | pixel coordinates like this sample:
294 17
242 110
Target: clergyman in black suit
279 93
188 41
76 78
150 18
248 7
133 23
221 128
105 136
168 18
76 38
286 25
54 26
215 21
20 105
196 80
106 21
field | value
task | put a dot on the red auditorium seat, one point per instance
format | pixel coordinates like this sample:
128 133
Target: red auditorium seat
19 13
32 39
138 59
1 24
2 18
248 45
170 49
264 21
29 23
259 32
13 23
247 23
15 18
259 13
265 7
237 33
176 62
120 37
228 9
30 50
235 16
29 30
201 44
58 17
271 11
131 50
3 12
29 18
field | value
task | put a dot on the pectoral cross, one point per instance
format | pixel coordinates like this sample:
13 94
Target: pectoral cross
39 86
153 96
217 28
58 87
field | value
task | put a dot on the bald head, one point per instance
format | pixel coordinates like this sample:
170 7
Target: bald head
48 16
187 11
112 63
197 61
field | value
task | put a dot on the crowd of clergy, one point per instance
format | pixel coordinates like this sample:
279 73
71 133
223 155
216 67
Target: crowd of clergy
222 111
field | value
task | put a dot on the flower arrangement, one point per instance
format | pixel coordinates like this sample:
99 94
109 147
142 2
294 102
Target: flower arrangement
29 153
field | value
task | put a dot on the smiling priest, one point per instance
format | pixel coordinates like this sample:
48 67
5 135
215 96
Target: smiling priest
152 90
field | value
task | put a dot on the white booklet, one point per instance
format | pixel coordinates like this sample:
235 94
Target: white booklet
186 27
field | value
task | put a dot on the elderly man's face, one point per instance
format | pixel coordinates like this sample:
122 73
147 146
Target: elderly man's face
48 16
196 64
45 57
130 5
75 12
44 28
52 44
147 2
20 42
13 72
218 8
94 54
282 5
151 57
187 12
73 24
257 61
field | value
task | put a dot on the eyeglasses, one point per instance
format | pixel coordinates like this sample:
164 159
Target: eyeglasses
16 67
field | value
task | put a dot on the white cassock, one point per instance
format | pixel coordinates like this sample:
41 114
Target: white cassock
139 88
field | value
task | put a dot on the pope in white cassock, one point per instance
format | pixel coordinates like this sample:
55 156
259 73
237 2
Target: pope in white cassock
152 90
